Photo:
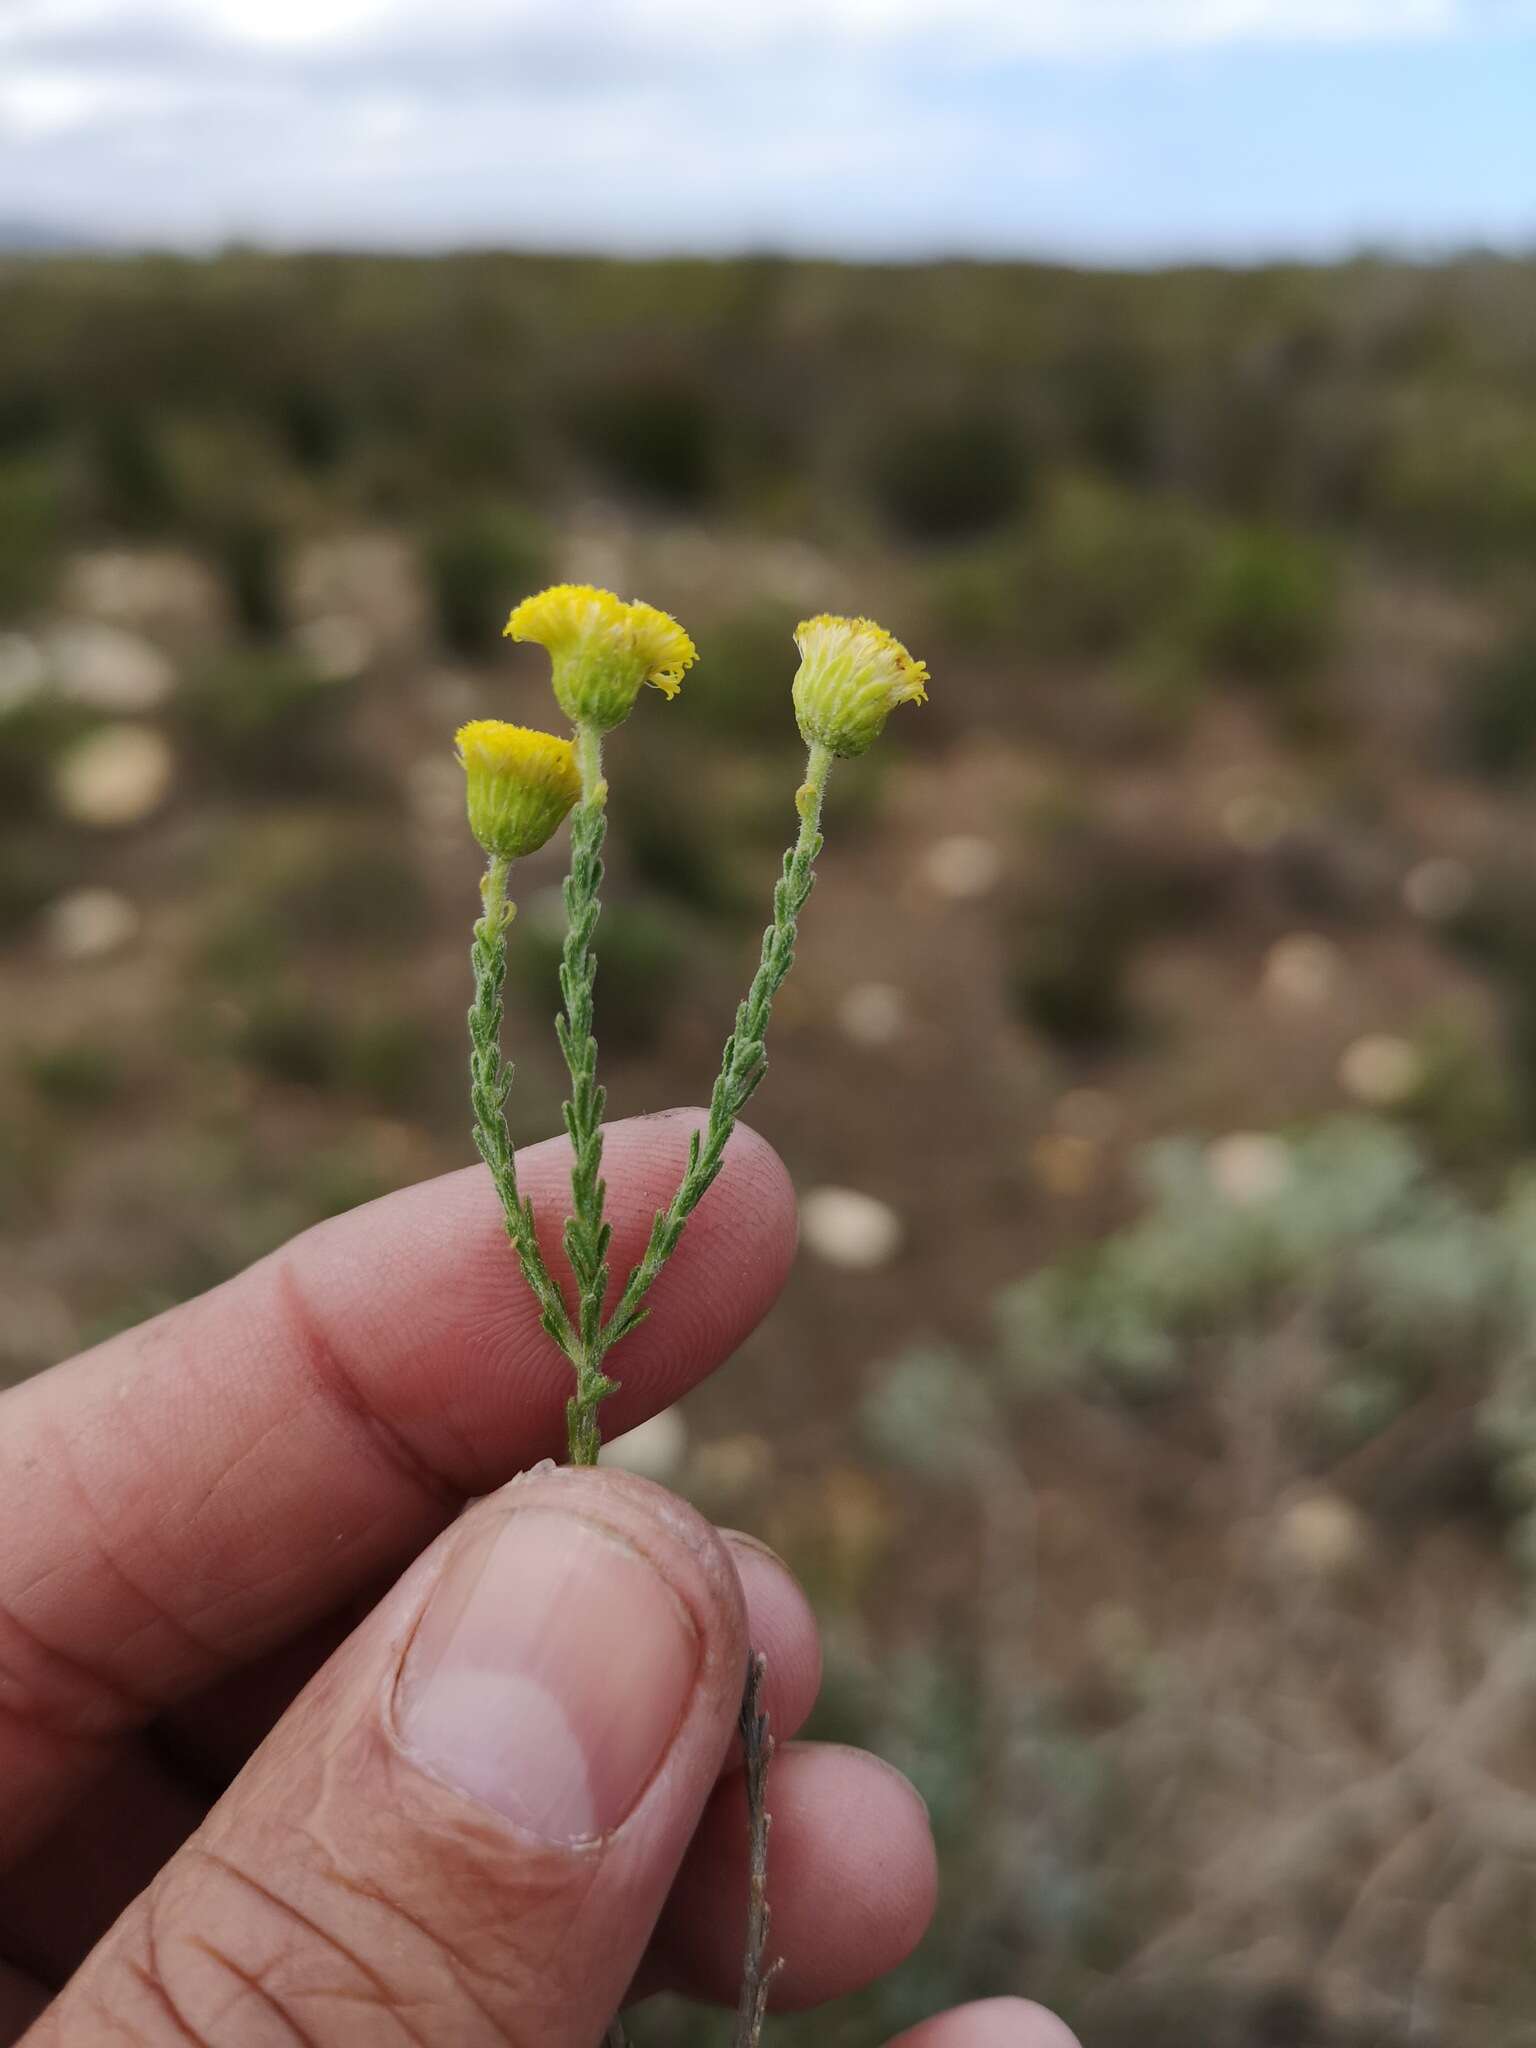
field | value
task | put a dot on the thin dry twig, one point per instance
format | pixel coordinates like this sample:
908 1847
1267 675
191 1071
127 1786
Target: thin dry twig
756 1978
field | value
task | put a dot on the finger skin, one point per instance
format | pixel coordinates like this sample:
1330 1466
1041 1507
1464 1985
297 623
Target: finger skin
851 1881
995 2023
56 1904
188 1495
345 1891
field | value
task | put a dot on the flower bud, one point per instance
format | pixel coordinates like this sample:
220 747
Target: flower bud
521 784
853 674
603 650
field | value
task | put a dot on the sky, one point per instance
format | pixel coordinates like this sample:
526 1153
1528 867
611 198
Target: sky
1102 130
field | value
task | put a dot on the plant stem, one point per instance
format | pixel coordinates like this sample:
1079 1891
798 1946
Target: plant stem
490 1079
586 1233
744 1060
756 1975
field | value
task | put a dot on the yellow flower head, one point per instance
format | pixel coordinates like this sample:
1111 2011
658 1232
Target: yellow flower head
521 784
852 676
603 650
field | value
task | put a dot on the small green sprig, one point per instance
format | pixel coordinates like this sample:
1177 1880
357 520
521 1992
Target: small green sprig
603 651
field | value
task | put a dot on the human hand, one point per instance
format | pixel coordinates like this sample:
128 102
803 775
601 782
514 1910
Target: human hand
256 1787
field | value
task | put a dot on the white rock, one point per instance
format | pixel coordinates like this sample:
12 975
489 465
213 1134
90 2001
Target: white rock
655 1449
1065 1162
1381 1070
118 776
22 671
88 924
1302 971
963 866
1248 1166
1321 1536
1255 819
337 647
873 1013
107 668
845 1228
1437 889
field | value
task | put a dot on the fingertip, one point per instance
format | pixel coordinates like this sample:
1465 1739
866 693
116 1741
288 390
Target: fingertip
992 2023
852 1879
782 1630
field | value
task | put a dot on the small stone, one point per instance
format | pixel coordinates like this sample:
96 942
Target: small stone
336 646
655 1449
1248 1167
851 1230
1381 1071
1255 820
22 671
732 1465
1064 1163
1302 971
107 668
873 1013
1438 889
963 867
115 777
1321 1536
88 924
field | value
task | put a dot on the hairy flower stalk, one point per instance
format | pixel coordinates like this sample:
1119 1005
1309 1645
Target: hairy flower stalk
519 786
586 1233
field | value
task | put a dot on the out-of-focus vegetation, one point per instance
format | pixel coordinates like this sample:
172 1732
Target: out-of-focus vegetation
1151 1412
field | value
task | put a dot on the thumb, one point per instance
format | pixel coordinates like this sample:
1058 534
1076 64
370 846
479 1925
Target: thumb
464 1829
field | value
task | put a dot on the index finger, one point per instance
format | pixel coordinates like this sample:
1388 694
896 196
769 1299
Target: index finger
188 1494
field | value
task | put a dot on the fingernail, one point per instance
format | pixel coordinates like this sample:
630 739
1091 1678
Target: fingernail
549 1675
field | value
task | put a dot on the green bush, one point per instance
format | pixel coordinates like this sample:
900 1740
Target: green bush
643 954
656 435
1496 708
31 537
1264 604
262 720
947 475
480 563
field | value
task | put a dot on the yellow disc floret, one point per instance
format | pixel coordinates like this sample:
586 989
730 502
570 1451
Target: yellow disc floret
603 650
521 784
852 676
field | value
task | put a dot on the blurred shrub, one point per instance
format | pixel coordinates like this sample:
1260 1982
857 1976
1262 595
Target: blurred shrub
1458 472
654 434
313 425
34 733
1264 604
741 686
76 1078
947 475
246 544
1068 951
263 720
643 955
135 488
287 1037
1496 708
31 537
480 563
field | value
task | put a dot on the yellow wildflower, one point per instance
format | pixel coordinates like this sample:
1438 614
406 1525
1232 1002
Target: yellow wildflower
521 784
603 650
853 674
